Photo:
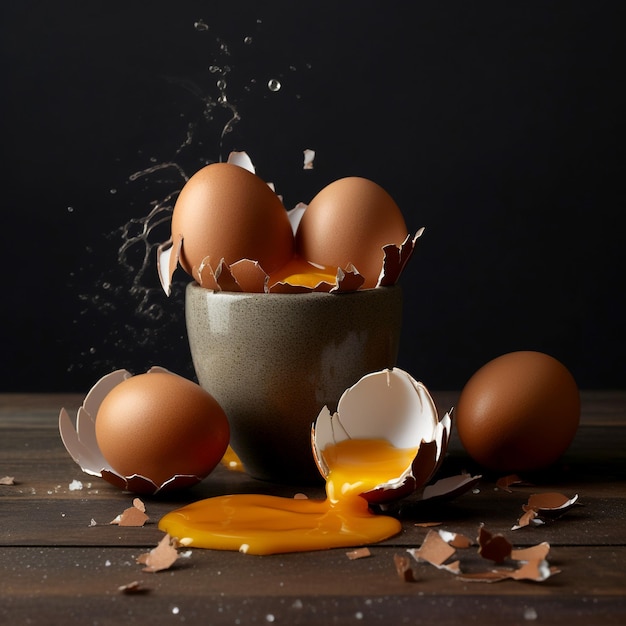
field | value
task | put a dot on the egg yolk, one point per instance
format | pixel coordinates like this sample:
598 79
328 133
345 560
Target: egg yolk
232 461
264 524
305 274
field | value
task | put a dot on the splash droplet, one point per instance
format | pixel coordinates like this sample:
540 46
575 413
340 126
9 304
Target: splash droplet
221 84
273 84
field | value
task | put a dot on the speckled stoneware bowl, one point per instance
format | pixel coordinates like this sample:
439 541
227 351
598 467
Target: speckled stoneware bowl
274 360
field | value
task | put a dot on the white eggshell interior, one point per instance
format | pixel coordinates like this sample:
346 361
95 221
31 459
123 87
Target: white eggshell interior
388 404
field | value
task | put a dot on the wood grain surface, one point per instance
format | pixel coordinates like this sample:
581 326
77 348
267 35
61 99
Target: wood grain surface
62 562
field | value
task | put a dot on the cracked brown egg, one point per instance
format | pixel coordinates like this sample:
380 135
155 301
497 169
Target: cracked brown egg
147 433
231 232
519 412
349 223
226 214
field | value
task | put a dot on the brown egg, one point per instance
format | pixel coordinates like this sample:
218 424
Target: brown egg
226 212
519 412
159 425
349 222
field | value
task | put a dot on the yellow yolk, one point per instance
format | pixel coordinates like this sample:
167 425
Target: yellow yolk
301 272
262 524
232 461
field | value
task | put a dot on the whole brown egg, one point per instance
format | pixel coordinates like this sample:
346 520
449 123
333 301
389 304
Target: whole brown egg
160 425
226 212
349 222
519 412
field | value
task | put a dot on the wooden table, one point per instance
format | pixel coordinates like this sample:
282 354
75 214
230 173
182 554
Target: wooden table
62 562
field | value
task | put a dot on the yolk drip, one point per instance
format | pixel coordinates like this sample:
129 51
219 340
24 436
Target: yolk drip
263 524
301 272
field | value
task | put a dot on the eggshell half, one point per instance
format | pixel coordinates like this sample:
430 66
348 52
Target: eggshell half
391 405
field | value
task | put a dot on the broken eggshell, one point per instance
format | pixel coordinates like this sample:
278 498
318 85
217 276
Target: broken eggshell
80 441
248 275
391 405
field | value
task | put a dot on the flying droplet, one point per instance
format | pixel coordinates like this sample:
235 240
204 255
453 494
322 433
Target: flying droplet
273 85
247 39
221 84
201 25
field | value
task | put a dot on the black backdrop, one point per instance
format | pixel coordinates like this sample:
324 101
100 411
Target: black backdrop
499 126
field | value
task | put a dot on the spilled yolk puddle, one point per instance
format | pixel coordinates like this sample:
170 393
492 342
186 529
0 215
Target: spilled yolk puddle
263 524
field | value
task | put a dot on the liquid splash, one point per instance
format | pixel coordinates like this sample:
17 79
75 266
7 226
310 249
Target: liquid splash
135 323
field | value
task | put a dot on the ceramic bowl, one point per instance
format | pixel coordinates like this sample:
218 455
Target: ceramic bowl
273 361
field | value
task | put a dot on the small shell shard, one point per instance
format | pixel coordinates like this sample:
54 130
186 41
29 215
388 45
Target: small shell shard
168 258
224 279
309 157
395 259
449 487
205 275
242 160
250 276
295 215
348 280
164 253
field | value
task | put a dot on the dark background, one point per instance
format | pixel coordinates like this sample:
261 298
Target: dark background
497 125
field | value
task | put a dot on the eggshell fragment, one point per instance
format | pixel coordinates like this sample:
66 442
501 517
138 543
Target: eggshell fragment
242 160
133 515
162 557
390 405
395 257
527 563
309 156
544 507
403 568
